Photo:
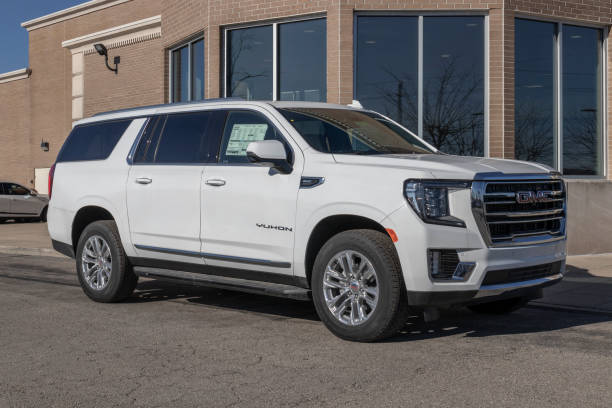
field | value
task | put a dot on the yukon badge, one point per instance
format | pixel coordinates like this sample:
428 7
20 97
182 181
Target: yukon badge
275 227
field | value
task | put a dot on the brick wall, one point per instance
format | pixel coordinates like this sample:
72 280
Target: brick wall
138 82
15 132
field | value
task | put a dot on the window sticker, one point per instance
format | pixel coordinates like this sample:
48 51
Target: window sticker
242 135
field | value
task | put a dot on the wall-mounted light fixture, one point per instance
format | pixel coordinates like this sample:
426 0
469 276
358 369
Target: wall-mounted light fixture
104 52
44 146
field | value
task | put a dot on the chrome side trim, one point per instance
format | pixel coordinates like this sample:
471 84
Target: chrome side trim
217 257
169 251
251 261
494 290
311 182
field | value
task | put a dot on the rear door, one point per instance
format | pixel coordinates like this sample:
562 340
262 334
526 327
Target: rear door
163 189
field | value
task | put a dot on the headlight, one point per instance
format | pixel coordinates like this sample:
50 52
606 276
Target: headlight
429 199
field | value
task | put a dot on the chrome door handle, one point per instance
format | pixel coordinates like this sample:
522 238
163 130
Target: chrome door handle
143 180
215 182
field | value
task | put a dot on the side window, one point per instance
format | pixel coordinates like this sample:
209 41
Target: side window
16 189
183 139
3 189
93 141
242 128
145 152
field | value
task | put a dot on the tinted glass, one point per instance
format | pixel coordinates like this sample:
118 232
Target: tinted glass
242 128
180 74
92 142
249 62
387 67
581 75
453 84
183 139
145 152
2 191
302 61
197 70
16 189
534 105
345 131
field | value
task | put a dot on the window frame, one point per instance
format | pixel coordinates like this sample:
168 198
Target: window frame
189 44
420 66
275 47
557 70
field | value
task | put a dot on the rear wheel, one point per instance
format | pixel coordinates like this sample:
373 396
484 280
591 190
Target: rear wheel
43 215
102 266
499 307
357 286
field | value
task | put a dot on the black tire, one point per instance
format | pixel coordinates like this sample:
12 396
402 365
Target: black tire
43 215
122 279
391 311
499 307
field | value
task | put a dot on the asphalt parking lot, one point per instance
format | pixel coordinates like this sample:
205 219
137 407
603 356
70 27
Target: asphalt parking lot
181 346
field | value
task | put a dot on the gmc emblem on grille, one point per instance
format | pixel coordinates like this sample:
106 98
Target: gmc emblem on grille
526 197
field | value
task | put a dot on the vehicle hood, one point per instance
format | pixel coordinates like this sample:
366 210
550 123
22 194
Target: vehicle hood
443 166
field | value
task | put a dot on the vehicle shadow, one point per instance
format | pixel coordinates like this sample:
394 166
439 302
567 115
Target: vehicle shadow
454 321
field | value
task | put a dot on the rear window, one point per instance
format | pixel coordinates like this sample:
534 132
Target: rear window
94 141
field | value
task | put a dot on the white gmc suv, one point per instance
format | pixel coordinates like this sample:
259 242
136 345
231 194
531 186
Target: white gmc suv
303 200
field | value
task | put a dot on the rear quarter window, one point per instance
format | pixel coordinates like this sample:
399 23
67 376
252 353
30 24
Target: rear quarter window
93 141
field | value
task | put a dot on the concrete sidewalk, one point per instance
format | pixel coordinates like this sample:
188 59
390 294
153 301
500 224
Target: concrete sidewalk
587 285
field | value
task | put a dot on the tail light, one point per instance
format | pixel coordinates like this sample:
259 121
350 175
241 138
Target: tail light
51 174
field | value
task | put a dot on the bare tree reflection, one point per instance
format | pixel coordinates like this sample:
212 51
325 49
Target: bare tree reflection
239 77
580 142
533 131
453 118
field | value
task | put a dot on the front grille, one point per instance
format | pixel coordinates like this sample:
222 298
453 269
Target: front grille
521 274
513 212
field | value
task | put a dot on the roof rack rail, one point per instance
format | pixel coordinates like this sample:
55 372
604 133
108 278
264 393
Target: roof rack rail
164 105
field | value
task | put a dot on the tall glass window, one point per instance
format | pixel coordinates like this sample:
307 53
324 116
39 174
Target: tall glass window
280 61
581 76
249 63
302 61
534 91
436 91
387 66
558 96
187 72
453 84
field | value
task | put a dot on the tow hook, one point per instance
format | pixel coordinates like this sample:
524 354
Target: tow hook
431 314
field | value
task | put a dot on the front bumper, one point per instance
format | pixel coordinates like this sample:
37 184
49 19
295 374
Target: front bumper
415 238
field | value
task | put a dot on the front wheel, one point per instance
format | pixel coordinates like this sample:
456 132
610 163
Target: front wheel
357 286
499 307
103 268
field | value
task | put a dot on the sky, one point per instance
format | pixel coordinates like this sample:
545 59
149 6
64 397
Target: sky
14 38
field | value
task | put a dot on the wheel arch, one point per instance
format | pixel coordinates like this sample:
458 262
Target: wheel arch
85 216
330 226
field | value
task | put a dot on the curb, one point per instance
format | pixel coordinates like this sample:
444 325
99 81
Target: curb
10 250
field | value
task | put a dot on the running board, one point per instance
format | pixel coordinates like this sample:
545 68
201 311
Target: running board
222 282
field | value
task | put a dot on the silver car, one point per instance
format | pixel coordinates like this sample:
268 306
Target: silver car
20 203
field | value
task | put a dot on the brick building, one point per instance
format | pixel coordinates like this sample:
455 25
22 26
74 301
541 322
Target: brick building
499 78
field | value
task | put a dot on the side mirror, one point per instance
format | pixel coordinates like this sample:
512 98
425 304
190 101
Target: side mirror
269 153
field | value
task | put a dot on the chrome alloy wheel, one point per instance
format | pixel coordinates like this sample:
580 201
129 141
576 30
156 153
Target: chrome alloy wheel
96 262
350 287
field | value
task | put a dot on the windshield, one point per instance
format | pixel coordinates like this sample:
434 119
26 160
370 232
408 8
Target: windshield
345 131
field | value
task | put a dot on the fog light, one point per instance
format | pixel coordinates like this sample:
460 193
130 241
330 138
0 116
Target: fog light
444 265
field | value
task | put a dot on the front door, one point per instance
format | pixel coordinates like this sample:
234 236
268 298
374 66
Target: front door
163 188
21 200
248 217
